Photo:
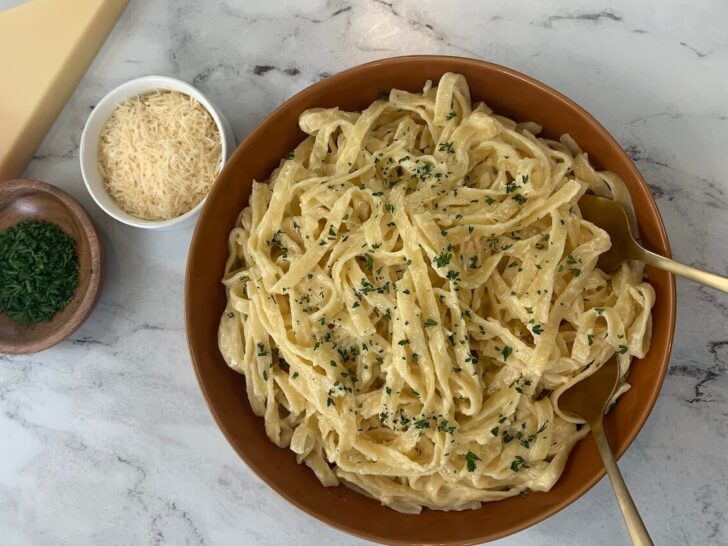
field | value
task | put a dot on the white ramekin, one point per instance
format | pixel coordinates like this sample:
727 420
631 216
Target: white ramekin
90 144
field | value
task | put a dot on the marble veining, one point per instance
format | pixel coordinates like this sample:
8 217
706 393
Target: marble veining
106 438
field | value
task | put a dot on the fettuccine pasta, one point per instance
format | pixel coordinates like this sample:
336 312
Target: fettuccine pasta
412 290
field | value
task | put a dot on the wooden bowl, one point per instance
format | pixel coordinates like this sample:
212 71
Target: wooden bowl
34 200
507 92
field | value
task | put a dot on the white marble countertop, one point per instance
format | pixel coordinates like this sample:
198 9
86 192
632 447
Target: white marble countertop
106 439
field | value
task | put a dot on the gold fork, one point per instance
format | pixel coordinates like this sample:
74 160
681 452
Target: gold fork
612 218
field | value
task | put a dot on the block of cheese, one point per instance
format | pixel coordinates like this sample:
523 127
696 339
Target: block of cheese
45 48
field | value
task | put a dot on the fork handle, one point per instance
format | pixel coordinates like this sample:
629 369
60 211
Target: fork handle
637 530
692 273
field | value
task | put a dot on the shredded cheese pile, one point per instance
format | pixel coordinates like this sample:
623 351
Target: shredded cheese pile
159 154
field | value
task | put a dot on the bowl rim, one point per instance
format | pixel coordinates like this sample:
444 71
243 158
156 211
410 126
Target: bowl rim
120 93
640 419
91 296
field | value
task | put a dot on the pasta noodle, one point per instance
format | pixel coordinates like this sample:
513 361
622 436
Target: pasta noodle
412 290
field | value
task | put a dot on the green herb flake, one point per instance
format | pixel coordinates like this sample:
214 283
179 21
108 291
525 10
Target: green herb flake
506 352
444 426
443 259
369 261
446 147
470 459
518 463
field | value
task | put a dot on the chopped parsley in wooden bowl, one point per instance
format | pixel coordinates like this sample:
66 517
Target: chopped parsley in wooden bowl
50 266
38 271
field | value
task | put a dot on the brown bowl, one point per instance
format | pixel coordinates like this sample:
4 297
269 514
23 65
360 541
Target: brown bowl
507 92
34 200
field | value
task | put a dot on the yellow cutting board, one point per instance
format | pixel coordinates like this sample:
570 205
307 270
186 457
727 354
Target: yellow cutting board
45 48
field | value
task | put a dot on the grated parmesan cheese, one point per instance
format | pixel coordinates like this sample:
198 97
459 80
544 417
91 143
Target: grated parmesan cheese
159 154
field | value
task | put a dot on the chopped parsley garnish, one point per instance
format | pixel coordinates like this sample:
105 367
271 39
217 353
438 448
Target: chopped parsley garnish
494 431
290 155
329 402
537 329
575 271
295 375
518 463
489 200
590 338
369 261
262 351
599 310
518 198
622 349
511 187
506 352
444 426
430 322
265 375
403 342
446 147
470 459
422 424
451 115
443 259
